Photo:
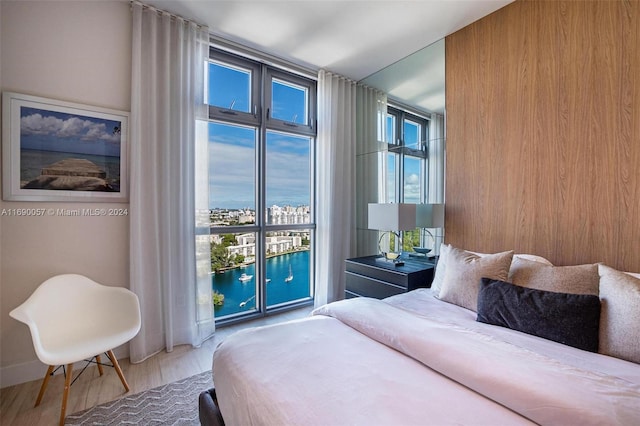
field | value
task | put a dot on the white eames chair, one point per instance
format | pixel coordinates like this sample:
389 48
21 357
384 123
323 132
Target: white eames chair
72 318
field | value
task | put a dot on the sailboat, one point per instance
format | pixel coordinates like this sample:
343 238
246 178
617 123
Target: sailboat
243 304
290 277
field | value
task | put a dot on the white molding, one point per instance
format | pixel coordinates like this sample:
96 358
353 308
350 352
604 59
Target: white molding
259 56
21 373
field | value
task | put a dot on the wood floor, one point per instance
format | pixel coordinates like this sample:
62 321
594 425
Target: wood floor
90 389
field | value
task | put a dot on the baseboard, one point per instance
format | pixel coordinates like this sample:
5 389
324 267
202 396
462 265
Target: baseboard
21 373
35 370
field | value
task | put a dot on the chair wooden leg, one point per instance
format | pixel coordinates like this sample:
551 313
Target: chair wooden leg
118 370
65 394
99 365
45 381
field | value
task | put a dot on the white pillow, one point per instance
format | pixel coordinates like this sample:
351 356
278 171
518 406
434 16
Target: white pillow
438 277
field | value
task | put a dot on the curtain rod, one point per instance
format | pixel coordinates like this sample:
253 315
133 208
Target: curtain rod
172 15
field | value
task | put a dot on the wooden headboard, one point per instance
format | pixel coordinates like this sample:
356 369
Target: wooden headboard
543 132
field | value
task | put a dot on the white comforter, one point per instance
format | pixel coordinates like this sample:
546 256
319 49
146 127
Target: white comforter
412 359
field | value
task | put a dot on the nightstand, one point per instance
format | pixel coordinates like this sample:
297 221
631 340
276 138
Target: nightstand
374 276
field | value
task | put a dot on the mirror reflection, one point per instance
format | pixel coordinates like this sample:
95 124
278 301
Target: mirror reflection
417 81
408 164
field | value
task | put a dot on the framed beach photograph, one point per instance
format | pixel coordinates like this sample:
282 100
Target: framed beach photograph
61 151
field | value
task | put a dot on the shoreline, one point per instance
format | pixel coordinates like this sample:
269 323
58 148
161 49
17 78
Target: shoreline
245 264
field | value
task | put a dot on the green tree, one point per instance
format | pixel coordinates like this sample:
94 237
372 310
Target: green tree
410 239
229 240
218 298
220 257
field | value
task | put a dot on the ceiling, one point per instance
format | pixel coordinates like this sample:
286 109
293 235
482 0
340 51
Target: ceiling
416 81
354 38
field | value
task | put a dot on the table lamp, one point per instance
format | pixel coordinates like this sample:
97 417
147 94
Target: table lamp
391 218
429 216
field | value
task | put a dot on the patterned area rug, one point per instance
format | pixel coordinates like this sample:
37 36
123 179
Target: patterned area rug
171 404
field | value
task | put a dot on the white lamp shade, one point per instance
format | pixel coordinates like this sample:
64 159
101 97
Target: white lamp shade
392 217
429 215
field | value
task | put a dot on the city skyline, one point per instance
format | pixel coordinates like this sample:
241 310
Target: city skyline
274 215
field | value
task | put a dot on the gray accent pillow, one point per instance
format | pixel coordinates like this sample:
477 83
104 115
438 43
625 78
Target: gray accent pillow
463 272
570 319
620 316
578 279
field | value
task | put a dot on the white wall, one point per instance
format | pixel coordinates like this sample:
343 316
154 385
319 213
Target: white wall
77 52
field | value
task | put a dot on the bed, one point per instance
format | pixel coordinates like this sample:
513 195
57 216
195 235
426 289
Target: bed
438 356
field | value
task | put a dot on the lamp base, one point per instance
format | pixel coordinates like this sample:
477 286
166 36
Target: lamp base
391 257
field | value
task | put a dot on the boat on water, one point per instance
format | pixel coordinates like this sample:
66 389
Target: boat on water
244 278
243 304
290 276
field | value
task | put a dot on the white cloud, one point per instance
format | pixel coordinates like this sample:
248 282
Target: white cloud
36 124
231 175
71 128
412 188
232 179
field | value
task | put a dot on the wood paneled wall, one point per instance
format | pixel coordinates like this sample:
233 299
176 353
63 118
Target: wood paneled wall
543 132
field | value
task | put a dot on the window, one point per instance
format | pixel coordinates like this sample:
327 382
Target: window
406 136
261 167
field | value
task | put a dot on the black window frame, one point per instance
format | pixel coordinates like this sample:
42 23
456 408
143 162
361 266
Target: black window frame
309 128
398 147
220 113
260 119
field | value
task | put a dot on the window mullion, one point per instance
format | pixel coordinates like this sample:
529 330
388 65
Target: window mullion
261 175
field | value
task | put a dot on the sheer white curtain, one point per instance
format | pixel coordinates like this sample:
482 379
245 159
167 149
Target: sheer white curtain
167 96
371 160
335 208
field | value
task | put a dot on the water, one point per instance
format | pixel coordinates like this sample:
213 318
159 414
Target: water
33 161
278 291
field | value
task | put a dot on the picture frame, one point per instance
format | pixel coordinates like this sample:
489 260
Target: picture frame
62 151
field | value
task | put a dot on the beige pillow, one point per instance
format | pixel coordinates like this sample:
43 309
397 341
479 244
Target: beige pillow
619 314
436 284
533 258
463 272
578 279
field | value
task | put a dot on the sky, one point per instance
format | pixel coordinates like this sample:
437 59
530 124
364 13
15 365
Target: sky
232 150
47 130
232 173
